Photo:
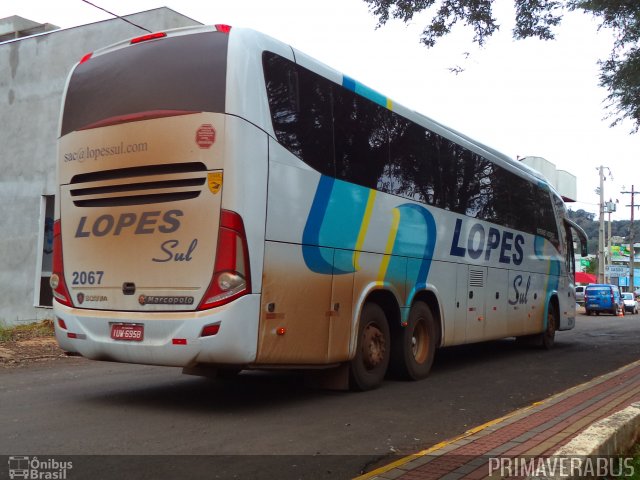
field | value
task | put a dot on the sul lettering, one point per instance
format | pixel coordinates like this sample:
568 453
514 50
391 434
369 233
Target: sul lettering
522 298
170 254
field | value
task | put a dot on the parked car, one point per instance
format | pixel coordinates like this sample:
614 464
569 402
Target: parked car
603 298
580 295
630 303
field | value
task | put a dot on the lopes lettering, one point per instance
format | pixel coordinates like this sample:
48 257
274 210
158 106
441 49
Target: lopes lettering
138 224
480 242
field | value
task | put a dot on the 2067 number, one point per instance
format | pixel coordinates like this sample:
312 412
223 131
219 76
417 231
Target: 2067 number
87 278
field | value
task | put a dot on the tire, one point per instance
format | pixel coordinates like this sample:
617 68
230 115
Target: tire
414 347
548 337
588 312
373 350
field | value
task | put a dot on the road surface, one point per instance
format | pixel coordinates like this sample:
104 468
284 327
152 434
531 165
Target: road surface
154 422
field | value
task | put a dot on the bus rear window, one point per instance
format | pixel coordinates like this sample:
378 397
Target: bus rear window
182 73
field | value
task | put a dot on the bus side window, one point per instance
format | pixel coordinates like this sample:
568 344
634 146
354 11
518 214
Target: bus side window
301 113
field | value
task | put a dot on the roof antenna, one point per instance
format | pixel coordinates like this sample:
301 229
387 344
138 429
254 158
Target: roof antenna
117 16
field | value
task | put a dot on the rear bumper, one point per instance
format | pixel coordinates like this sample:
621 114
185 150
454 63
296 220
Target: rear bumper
170 338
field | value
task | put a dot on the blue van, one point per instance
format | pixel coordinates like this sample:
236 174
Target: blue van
603 298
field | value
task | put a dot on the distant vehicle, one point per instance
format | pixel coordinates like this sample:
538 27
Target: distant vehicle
580 294
630 303
603 298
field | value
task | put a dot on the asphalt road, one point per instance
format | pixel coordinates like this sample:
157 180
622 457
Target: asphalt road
154 422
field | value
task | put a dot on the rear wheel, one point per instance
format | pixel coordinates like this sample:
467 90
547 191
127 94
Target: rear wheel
369 366
414 347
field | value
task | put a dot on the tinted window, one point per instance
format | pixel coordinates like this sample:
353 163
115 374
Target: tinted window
300 103
343 134
186 72
361 129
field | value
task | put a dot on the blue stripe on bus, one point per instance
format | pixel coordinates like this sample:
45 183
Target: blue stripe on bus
311 253
416 238
336 215
553 276
335 220
355 86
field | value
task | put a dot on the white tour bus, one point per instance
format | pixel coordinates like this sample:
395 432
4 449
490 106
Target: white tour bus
226 202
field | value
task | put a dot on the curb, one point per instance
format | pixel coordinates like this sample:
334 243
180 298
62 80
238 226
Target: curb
614 435
609 437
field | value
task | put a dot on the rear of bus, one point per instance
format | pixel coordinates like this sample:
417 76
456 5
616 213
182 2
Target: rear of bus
157 211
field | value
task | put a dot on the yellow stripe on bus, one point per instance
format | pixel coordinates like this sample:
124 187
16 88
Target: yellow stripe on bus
391 240
363 228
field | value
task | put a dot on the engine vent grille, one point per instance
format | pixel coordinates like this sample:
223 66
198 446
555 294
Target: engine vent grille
138 185
476 278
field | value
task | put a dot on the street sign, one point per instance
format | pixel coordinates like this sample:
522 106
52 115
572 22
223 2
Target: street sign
616 270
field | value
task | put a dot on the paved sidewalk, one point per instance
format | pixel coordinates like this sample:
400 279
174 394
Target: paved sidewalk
538 430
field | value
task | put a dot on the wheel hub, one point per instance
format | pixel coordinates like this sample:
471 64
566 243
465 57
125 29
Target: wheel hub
373 346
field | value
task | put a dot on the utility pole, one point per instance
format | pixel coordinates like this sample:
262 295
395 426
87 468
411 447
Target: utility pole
632 285
611 207
601 257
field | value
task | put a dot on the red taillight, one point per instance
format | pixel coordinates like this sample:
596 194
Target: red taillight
57 282
231 277
86 57
144 38
223 28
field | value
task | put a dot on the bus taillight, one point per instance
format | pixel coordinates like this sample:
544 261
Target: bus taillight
146 38
86 57
57 282
231 278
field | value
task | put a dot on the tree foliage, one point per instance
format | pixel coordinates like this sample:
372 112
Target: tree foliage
588 222
619 73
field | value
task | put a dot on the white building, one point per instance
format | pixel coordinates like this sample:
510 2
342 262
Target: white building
35 60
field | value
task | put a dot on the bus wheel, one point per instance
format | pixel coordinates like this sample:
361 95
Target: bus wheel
369 366
414 347
548 337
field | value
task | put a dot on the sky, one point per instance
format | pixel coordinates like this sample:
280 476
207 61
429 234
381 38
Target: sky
523 98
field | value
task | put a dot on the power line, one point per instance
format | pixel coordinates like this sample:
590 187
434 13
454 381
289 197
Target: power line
115 15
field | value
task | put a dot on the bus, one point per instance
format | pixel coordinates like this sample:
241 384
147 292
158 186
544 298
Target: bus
225 202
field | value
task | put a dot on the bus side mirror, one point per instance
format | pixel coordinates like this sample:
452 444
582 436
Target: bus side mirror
582 236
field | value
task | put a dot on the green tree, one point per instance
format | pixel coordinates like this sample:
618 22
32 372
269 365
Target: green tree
619 74
592 263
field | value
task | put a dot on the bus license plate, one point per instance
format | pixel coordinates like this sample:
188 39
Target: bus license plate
127 331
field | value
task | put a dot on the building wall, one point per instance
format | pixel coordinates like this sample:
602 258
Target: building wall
33 72
564 182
